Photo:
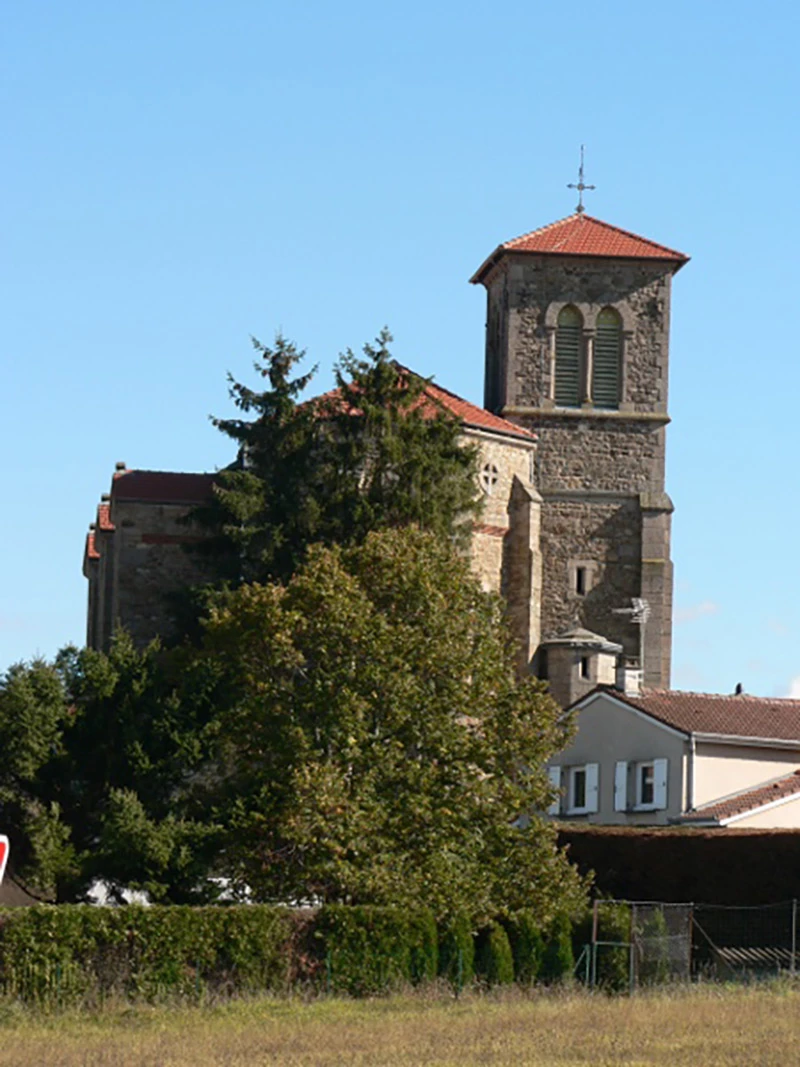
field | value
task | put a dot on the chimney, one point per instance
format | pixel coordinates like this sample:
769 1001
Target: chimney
629 677
120 465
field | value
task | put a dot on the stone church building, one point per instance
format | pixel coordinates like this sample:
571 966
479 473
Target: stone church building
576 524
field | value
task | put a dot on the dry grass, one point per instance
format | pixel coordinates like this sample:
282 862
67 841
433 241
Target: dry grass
702 1027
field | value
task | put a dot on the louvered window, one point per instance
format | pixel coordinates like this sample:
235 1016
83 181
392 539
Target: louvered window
607 356
569 336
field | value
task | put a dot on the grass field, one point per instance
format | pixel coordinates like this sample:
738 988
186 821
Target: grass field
701 1027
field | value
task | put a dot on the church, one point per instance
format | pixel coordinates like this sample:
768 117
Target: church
575 532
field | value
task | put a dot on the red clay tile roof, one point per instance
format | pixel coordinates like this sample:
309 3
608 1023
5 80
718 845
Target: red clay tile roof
436 398
162 487
473 416
712 713
741 803
91 550
582 235
104 517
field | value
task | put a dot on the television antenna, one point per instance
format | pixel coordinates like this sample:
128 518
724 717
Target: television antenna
639 613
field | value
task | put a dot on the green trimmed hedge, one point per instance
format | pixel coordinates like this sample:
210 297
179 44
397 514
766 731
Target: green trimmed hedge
457 951
527 945
372 949
57 954
558 961
494 962
78 950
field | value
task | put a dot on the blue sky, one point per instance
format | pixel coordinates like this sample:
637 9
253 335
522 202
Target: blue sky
180 175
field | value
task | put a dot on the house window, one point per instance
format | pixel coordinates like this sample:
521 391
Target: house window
645 785
585 671
650 777
582 791
578 788
606 363
569 345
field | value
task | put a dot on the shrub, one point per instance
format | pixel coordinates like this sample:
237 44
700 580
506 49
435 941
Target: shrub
527 945
373 949
494 962
424 946
76 950
613 961
457 951
558 961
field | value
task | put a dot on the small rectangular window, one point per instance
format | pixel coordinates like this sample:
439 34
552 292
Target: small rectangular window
580 581
579 787
646 784
585 667
583 789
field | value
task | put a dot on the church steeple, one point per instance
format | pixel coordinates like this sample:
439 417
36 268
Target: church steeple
577 350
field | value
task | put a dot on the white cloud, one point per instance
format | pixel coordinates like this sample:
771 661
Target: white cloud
794 688
695 611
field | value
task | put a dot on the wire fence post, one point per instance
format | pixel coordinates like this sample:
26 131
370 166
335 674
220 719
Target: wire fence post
595 925
794 936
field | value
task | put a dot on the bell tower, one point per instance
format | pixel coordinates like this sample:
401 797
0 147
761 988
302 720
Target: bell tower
577 351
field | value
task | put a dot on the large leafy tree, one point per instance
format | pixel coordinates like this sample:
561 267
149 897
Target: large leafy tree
137 735
373 454
378 745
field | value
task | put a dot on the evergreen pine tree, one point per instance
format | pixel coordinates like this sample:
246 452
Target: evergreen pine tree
375 453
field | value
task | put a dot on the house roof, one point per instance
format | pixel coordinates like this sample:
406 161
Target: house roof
164 487
741 715
583 235
474 417
749 800
436 398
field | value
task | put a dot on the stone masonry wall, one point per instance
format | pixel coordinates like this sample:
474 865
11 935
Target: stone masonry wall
593 467
505 553
536 287
593 453
150 563
609 535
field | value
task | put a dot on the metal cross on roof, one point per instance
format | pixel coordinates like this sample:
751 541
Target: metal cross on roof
581 186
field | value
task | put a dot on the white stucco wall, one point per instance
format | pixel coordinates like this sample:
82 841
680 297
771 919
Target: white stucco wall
722 769
608 732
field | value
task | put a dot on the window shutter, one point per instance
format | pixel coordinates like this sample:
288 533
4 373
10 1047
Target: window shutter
592 786
660 767
621 785
607 357
569 336
554 774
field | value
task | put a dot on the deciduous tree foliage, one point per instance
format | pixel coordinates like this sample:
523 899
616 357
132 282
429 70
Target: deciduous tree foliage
378 745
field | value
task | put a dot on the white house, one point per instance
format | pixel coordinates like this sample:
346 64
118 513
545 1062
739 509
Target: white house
662 756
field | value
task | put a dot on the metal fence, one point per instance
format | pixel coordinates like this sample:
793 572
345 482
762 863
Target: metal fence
642 943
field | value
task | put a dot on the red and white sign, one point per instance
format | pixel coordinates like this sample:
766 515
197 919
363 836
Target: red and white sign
4 850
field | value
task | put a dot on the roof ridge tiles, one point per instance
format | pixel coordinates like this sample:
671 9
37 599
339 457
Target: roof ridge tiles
716 696
583 236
